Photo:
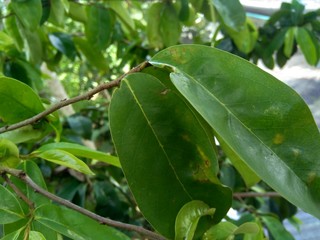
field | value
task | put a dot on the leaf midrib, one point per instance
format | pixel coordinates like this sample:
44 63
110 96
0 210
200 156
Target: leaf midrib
158 140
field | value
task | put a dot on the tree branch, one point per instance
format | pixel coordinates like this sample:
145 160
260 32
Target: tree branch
255 194
86 96
18 191
26 179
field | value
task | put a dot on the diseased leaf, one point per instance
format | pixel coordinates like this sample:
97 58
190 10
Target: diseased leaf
10 208
65 159
188 218
175 143
81 151
17 101
75 225
262 120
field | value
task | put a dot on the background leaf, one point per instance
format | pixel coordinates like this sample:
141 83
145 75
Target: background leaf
75 225
81 151
179 148
265 122
10 209
308 47
65 159
17 101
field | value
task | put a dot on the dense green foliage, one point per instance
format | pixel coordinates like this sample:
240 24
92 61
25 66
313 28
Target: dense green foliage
182 139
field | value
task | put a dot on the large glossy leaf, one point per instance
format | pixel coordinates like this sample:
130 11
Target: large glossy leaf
81 151
10 209
262 120
17 101
65 159
231 12
166 151
75 225
29 12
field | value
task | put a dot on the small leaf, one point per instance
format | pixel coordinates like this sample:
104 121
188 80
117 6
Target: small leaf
5 41
17 101
81 151
77 12
99 26
75 225
63 42
10 26
29 12
23 134
34 235
9 154
221 231
248 227
170 27
57 12
93 55
10 208
231 12
65 159
14 235
308 47
288 42
188 218
153 25
121 9
276 228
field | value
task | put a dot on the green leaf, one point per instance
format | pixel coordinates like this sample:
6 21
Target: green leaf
231 12
57 12
10 26
23 134
227 230
10 208
33 171
221 231
17 101
121 9
288 42
5 41
188 218
75 225
14 235
34 235
276 228
81 151
93 55
65 159
153 25
29 12
170 27
177 162
99 26
9 154
63 42
261 119
77 12
308 47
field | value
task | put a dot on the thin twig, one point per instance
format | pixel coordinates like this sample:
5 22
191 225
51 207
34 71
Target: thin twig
86 96
25 178
18 192
255 194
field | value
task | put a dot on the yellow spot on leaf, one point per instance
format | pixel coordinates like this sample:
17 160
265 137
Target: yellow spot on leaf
278 138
